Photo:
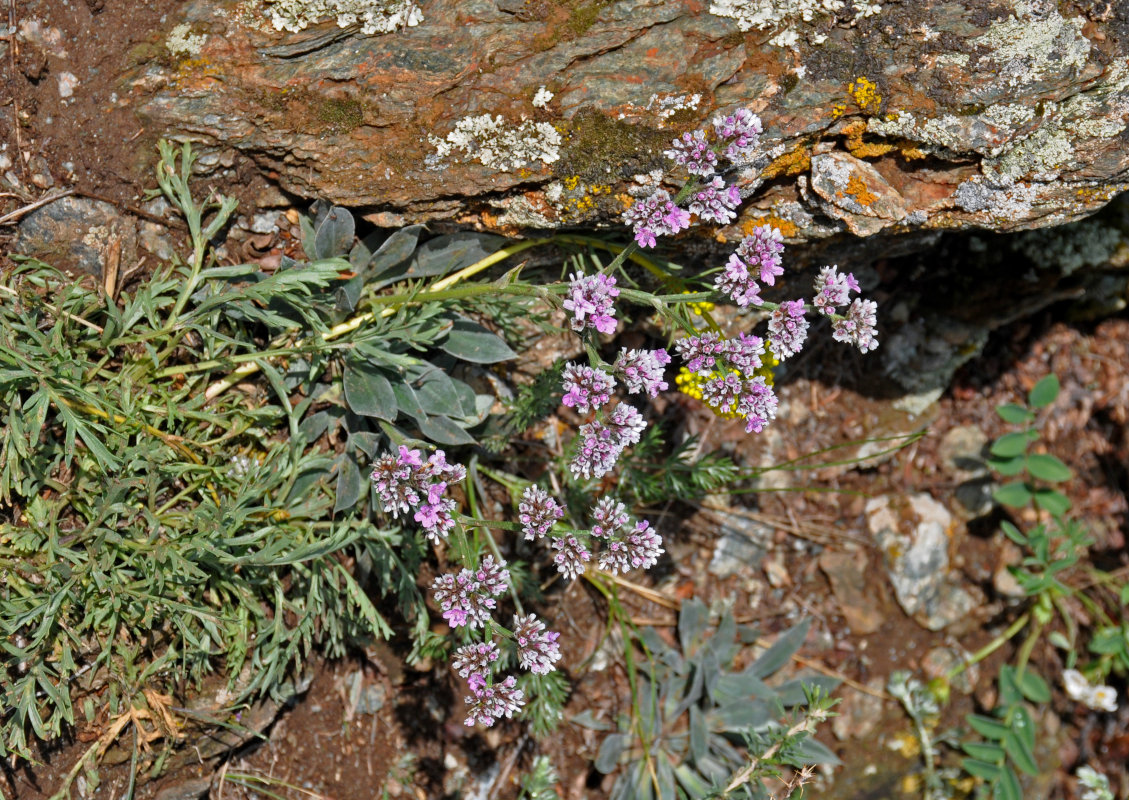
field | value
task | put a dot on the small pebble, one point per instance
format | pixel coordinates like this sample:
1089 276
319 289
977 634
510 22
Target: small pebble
67 84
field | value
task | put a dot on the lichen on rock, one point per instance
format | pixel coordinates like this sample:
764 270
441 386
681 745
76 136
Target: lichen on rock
374 16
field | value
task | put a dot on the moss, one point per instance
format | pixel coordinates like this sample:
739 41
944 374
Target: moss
340 114
594 142
791 81
584 16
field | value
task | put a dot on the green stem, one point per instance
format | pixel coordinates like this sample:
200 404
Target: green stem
990 648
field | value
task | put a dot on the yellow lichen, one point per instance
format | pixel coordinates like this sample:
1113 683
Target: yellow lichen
794 162
838 110
865 94
858 189
787 228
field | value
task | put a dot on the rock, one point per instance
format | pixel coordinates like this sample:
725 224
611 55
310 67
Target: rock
917 560
191 789
847 574
741 546
77 234
936 115
859 713
961 453
939 661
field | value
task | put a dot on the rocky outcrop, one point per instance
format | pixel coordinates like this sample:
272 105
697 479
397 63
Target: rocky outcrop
879 116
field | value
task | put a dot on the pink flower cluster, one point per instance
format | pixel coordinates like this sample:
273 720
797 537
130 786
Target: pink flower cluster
742 129
537 512
693 151
586 388
702 353
590 299
756 258
627 546
600 444
405 482
716 202
642 370
857 326
467 600
656 216
751 399
788 329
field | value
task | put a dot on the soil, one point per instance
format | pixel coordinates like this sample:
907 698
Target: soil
408 739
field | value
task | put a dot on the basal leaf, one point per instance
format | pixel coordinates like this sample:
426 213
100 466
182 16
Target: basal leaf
350 484
781 650
470 341
613 746
333 234
443 430
368 392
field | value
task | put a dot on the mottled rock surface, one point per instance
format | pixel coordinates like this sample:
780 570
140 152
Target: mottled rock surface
889 116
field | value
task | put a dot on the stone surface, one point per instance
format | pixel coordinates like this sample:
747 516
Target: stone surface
77 234
741 544
926 115
847 574
914 534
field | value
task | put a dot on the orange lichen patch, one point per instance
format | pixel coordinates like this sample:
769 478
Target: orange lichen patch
1100 194
859 148
794 162
787 228
858 190
838 110
865 94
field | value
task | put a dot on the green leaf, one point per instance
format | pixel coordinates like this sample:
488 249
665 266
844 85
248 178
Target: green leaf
699 734
1124 596
1059 640
1008 467
981 751
1053 501
1007 788
443 430
442 255
470 341
1013 533
368 392
611 749
1011 445
437 394
394 250
350 484
408 402
692 620
1034 688
1020 753
781 650
1044 392
1014 494
1015 414
333 234
987 727
982 769
1047 468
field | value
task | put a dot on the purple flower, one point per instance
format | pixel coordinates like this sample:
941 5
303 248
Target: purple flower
571 556
655 216
489 703
701 352
611 516
723 392
758 405
537 512
586 388
596 451
757 257
716 202
744 352
537 649
639 549
626 425
590 301
788 329
467 598
475 658
744 128
692 151
405 481
858 326
642 370
832 289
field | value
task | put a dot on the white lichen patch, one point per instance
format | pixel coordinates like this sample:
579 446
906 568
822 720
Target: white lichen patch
1039 156
374 16
666 106
495 143
1032 45
183 42
1013 202
788 17
542 98
1067 248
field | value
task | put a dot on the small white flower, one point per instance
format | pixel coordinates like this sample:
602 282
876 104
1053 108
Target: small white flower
1095 784
1099 698
1103 698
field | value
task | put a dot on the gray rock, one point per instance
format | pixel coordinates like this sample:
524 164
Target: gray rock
741 546
915 540
191 789
76 234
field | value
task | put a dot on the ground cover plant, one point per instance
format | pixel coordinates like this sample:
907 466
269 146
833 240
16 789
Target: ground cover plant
161 523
